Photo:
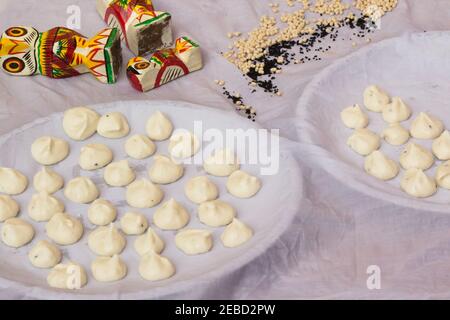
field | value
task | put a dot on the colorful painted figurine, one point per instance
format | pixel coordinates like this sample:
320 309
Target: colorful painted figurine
143 29
165 65
60 53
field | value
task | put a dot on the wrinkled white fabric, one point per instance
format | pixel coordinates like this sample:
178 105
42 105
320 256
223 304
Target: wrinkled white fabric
338 232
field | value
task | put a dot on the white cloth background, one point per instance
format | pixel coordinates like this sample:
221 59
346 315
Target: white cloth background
338 233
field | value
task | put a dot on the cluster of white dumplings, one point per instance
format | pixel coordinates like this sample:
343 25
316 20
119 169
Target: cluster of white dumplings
108 241
414 159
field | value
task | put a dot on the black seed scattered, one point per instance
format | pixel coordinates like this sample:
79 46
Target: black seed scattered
362 24
312 43
238 102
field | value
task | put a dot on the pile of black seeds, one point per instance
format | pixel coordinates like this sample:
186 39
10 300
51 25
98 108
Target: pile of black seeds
298 51
308 50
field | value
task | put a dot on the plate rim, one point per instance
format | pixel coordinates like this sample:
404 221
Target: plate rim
258 249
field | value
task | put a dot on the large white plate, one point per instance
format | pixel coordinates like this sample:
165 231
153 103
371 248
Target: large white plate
415 67
268 213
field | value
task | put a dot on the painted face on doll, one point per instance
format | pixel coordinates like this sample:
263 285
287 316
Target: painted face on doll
17 51
137 70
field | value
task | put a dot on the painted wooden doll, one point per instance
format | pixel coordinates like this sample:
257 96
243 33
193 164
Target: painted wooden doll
142 28
165 65
60 53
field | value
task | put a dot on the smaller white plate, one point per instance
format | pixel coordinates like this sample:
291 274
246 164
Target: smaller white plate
414 67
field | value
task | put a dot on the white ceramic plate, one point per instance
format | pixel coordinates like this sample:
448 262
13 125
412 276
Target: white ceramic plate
415 67
268 213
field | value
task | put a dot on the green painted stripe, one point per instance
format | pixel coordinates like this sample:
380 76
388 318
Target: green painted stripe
111 38
38 53
150 21
109 67
156 60
191 42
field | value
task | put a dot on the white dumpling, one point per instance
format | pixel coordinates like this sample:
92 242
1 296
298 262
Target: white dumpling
194 241
216 213
48 180
139 147
43 206
416 156
171 216
236 234
119 174
243 185
64 229
17 232
44 255
106 241
164 170
154 267
159 127
80 123
396 111
443 175
183 144
102 212
81 190
108 269
426 126
395 134
441 146
416 183
377 164
95 156
150 241
364 141
49 150
201 189
70 276
375 98
113 125
12 181
9 208
221 163
354 117
133 223
143 194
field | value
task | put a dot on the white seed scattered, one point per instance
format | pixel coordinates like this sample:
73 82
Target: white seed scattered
269 32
